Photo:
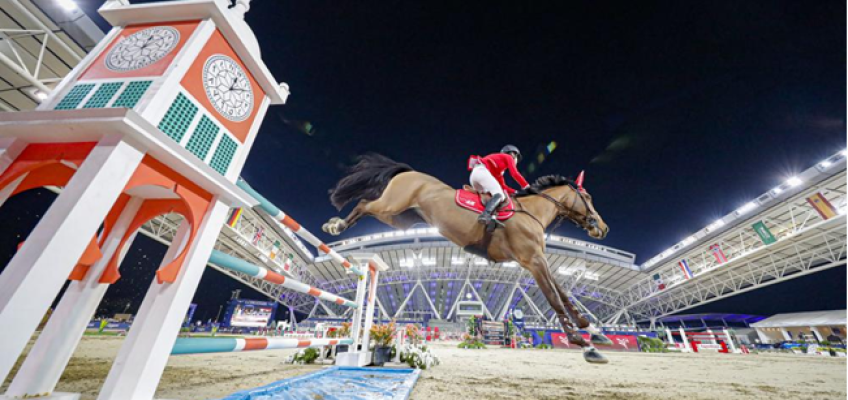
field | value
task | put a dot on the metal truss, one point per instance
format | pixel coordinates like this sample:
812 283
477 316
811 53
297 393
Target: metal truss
34 53
10 38
500 288
805 244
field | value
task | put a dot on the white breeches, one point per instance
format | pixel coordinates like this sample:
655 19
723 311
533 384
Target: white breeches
483 181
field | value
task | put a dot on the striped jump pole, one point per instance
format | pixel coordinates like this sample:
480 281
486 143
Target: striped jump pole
229 345
290 223
229 262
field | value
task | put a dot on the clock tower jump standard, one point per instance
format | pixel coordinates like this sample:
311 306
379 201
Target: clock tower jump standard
159 118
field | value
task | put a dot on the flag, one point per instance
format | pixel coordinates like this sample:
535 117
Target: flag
824 208
258 236
659 282
718 253
764 233
276 250
684 266
234 217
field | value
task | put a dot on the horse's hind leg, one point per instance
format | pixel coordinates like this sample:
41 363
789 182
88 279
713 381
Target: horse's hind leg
336 225
390 204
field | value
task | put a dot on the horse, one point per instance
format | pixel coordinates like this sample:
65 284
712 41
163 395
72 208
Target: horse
400 197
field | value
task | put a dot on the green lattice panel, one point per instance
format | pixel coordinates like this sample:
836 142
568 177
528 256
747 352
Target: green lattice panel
74 97
223 155
203 137
132 94
178 118
103 94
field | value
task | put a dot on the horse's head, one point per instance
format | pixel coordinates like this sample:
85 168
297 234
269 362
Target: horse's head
588 217
573 202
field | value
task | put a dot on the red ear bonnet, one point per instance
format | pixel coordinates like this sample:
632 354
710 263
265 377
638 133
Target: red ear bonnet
579 181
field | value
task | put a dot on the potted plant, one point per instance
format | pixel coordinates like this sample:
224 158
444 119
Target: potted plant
413 334
383 337
343 332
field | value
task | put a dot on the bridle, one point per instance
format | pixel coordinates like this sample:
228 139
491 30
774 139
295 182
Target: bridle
591 220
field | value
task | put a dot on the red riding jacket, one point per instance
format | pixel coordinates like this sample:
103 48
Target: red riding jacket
497 163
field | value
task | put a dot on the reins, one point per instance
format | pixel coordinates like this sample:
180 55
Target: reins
565 211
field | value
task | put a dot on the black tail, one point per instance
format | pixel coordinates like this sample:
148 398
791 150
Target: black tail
367 179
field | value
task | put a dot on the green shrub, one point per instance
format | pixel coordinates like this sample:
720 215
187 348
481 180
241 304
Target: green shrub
472 344
544 346
651 345
306 356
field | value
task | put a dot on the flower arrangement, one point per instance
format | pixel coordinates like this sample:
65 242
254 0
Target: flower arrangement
344 331
333 333
471 342
418 356
413 333
383 335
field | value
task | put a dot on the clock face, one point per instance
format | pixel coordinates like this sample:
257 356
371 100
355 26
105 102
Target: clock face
142 48
228 88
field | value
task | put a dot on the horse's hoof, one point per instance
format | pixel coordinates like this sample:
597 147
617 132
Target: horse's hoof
599 338
334 226
594 356
578 340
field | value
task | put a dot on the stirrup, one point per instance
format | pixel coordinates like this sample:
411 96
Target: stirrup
493 224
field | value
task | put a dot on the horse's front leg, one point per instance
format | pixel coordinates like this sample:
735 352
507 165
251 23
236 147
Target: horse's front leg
538 267
597 337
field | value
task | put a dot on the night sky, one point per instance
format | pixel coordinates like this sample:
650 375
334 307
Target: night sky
679 112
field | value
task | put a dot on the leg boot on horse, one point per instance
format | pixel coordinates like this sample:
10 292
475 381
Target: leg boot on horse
595 334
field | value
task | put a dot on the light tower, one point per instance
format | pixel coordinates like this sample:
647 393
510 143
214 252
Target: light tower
158 118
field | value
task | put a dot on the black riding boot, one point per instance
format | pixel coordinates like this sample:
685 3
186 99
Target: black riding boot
487 218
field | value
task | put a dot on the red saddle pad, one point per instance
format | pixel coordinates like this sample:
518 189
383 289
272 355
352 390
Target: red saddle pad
471 201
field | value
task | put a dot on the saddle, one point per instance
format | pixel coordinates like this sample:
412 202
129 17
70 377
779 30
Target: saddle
470 199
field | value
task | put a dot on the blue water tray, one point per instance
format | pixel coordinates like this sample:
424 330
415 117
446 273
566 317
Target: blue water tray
338 383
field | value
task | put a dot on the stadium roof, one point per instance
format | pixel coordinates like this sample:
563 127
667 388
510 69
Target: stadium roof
743 318
40 42
814 318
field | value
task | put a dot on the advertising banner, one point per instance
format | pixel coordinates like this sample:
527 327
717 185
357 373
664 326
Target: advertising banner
620 342
249 313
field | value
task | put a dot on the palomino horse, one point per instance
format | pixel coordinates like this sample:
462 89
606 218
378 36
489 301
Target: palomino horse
399 196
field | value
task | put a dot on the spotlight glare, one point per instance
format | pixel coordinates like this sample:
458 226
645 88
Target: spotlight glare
747 207
68 5
794 181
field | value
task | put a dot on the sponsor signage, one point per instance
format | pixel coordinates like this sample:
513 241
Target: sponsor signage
619 342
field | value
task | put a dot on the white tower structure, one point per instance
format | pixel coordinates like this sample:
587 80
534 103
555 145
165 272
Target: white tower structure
158 118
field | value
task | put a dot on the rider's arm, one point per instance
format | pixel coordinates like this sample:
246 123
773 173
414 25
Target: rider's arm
509 191
517 175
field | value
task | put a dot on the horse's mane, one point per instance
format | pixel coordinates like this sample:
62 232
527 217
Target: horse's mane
549 181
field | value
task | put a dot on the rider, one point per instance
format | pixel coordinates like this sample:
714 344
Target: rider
487 177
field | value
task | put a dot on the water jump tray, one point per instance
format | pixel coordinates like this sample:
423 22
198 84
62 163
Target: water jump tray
338 383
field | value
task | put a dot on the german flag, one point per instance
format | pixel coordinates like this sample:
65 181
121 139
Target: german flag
824 208
234 217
